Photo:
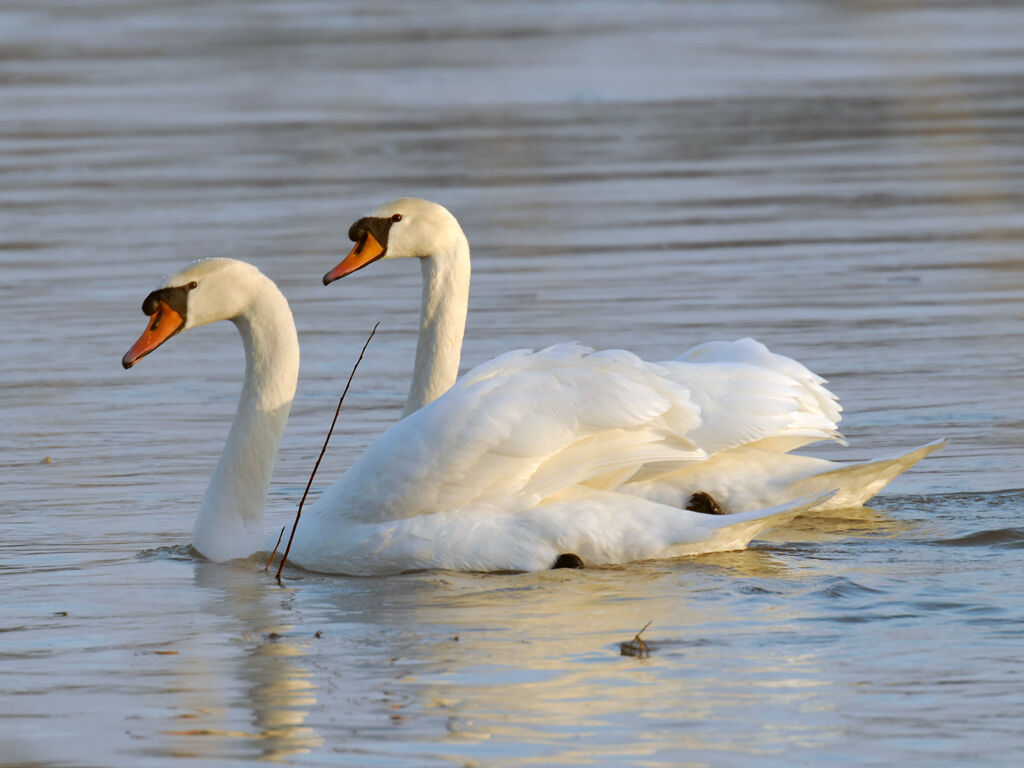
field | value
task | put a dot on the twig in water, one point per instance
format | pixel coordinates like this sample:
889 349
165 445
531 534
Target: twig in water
279 536
298 513
636 646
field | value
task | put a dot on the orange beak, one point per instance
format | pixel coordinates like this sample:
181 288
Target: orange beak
163 324
366 251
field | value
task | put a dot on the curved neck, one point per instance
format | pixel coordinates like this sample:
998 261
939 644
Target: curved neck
442 324
230 520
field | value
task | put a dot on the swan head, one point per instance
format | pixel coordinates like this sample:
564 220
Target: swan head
207 291
404 227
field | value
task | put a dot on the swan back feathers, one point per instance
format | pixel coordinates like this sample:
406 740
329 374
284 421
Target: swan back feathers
527 426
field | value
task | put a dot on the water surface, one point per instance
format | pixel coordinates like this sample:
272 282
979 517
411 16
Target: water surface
843 181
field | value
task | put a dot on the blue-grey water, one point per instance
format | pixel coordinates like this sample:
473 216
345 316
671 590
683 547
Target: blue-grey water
844 181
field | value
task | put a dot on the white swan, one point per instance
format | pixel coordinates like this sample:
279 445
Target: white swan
521 461
230 519
743 408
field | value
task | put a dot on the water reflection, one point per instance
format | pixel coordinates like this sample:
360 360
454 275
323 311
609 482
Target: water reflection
265 675
532 661
520 667
833 525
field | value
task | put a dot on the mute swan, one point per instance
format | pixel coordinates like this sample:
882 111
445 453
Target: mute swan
743 407
508 470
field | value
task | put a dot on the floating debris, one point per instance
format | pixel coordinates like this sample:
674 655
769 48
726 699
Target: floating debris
636 647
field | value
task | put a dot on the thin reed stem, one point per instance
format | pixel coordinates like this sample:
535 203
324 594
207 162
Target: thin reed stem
298 513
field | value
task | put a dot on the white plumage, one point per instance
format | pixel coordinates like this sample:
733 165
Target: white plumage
566 450
528 456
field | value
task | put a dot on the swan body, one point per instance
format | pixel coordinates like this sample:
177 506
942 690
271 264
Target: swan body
527 457
743 408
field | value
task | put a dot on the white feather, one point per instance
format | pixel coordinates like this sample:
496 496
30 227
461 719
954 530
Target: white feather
531 454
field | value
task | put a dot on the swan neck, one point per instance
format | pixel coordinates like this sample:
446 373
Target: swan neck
230 520
442 324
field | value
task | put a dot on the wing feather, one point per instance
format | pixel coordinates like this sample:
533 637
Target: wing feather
534 424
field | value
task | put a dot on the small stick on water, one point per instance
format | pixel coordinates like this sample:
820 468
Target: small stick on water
636 646
298 513
279 537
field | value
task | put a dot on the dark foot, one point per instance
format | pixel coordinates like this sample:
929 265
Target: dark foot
568 560
704 503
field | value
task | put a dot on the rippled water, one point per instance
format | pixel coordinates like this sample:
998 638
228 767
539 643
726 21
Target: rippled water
844 181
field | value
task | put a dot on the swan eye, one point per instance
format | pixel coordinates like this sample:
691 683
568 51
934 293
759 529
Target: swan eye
176 298
396 217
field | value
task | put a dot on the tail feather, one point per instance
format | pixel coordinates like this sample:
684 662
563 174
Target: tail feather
856 483
745 479
736 531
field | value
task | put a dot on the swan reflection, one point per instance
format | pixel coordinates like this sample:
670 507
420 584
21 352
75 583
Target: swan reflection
532 661
437 667
245 692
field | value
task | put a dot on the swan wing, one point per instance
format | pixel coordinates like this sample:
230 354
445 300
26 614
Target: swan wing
747 394
526 425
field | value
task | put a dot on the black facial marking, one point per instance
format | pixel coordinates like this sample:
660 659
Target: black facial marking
377 226
176 298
